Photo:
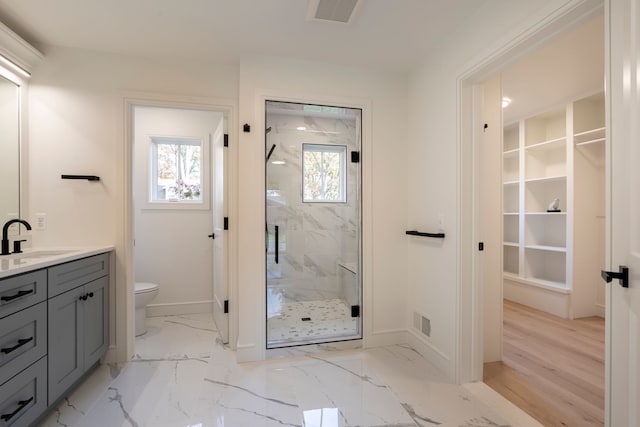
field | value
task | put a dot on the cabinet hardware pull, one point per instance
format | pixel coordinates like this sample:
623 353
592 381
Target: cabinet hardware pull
21 405
83 297
90 294
17 346
18 295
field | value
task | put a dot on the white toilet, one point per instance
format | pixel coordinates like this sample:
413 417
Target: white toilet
145 293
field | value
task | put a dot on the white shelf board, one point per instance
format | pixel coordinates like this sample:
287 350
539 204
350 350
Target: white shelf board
509 153
591 141
513 244
546 248
552 144
546 179
549 285
510 214
510 182
591 133
545 213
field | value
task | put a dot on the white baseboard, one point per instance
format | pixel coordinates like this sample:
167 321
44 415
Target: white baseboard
432 354
507 410
173 309
387 337
601 310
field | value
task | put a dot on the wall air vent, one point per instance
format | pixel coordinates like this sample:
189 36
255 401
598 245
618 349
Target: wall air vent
422 324
340 11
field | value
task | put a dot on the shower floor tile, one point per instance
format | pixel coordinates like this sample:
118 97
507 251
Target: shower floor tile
304 321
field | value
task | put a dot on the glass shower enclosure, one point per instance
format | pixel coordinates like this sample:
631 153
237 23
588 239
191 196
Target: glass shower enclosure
313 224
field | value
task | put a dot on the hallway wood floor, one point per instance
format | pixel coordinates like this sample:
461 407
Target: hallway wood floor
552 368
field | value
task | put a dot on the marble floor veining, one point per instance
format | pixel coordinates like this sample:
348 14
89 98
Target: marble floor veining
182 375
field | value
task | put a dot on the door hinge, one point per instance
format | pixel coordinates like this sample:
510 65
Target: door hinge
355 157
481 246
226 140
226 306
226 223
355 311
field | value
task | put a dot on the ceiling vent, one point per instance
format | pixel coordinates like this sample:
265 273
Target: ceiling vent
340 11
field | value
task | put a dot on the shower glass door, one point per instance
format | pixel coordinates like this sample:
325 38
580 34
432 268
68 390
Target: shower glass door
313 227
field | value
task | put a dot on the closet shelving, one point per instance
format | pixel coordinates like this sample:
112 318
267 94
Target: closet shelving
539 153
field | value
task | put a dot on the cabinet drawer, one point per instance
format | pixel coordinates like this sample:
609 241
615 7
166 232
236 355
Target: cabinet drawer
22 291
23 340
65 277
24 397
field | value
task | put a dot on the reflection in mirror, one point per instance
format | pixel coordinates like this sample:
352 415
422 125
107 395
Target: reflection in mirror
9 151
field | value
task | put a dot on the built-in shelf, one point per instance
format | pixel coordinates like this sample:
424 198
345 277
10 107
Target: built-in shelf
548 257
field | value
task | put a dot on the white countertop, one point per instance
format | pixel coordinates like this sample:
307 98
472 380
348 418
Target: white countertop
37 258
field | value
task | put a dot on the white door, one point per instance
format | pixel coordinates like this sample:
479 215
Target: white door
220 284
623 331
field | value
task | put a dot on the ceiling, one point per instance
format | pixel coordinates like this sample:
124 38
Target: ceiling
570 66
392 35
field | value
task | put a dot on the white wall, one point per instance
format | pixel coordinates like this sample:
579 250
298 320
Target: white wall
433 159
171 245
384 97
76 125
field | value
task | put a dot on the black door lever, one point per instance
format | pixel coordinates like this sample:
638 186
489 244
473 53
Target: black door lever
622 276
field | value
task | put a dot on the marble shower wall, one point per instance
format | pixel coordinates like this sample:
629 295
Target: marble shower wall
314 238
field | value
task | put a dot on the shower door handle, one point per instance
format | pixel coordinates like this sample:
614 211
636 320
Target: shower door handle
277 242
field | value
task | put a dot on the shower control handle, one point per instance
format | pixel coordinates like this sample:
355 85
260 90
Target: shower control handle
277 242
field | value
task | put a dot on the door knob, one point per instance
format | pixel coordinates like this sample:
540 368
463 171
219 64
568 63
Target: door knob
622 276
212 236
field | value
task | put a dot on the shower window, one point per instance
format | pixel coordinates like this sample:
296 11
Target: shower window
324 173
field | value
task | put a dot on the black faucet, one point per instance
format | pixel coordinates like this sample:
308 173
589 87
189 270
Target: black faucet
5 232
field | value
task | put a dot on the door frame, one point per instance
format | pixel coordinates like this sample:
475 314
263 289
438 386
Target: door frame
257 350
353 104
470 305
125 306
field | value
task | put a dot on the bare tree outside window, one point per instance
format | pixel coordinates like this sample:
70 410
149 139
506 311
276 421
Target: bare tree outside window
324 173
177 165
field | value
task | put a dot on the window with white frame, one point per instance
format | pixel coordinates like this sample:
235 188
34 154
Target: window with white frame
324 170
177 170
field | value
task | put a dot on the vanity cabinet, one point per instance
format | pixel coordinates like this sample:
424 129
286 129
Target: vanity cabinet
53 328
78 326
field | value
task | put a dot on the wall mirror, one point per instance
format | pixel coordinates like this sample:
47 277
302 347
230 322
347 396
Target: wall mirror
9 150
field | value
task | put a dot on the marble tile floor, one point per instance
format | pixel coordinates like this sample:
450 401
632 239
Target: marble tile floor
182 375
324 318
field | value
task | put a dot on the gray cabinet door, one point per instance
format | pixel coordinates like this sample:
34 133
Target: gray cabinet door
96 320
66 341
64 277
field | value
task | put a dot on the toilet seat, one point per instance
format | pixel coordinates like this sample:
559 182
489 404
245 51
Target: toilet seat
145 287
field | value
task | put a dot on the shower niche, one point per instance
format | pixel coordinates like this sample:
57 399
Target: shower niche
313 224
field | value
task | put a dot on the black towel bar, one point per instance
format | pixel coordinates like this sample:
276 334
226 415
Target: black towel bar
422 234
87 177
